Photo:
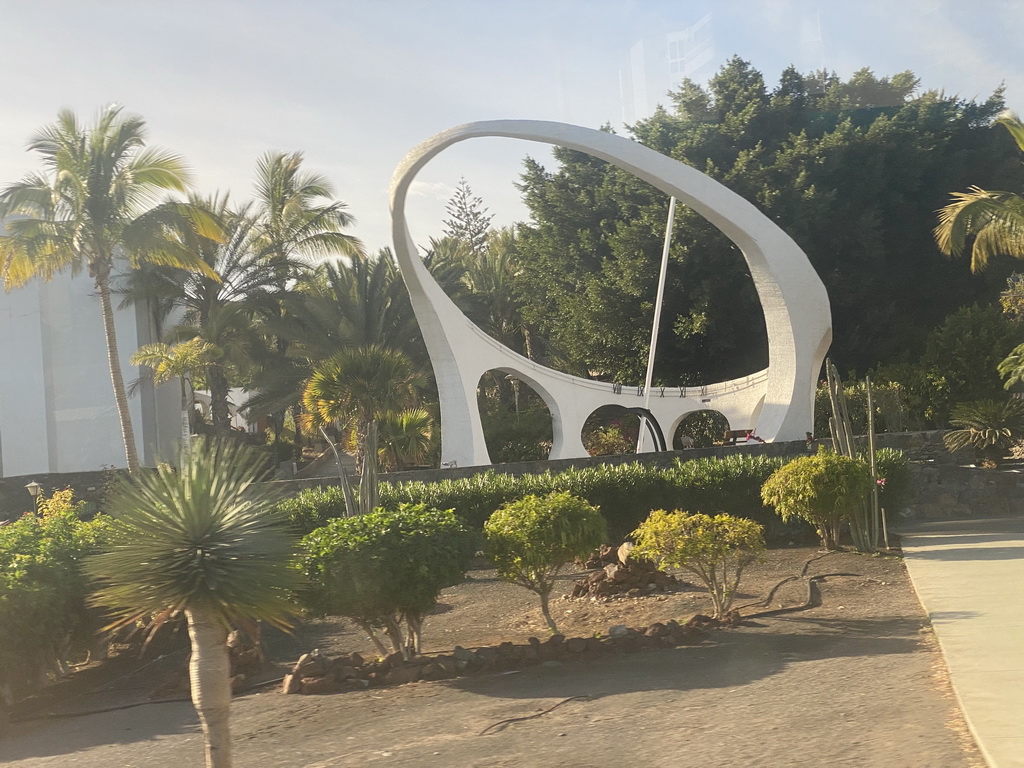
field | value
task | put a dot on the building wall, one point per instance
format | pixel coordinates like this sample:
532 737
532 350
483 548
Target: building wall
57 411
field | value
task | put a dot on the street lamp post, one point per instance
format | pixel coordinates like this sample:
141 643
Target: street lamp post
34 489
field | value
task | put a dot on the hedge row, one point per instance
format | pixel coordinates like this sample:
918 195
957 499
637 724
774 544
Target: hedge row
625 493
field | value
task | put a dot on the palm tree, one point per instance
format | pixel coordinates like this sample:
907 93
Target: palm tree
340 304
178 361
356 386
296 220
990 427
995 220
199 541
406 435
95 207
218 309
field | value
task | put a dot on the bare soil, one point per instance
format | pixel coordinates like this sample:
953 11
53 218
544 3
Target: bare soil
857 681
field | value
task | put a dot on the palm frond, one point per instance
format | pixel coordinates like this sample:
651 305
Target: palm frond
995 219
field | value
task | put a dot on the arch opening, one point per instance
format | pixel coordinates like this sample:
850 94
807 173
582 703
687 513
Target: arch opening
516 421
700 429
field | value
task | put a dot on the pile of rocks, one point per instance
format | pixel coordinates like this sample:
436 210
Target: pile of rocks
615 574
315 673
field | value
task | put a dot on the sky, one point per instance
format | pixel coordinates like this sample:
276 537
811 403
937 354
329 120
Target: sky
355 84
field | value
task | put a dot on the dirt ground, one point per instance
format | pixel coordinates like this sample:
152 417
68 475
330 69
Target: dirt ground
857 681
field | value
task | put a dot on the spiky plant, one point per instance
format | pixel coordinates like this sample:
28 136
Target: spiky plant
201 541
990 427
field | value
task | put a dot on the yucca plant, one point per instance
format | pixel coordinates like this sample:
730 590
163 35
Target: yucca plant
199 540
990 427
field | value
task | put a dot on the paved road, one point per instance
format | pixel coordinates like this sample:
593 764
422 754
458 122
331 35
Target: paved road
969 575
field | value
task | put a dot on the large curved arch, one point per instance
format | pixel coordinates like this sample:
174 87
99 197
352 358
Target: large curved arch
793 298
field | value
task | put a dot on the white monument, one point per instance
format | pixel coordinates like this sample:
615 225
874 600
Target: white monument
777 403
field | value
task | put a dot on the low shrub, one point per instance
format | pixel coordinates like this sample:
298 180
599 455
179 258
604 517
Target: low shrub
824 489
43 612
715 549
386 568
533 538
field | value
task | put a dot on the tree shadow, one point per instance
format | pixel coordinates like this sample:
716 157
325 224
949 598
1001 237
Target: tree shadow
68 735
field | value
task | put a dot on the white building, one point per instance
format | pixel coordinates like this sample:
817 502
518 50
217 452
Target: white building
658 64
57 411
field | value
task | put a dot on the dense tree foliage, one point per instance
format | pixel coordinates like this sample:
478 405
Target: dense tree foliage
853 170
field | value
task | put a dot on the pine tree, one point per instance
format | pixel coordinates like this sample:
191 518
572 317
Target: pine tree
468 220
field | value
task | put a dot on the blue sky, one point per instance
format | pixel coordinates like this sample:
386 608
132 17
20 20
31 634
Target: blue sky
356 83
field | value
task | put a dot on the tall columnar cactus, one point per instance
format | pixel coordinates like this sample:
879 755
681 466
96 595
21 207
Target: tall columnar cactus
865 524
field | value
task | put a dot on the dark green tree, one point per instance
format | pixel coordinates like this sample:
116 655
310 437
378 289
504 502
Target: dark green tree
853 170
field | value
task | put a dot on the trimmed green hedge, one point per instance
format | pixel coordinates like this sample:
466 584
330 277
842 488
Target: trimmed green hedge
625 493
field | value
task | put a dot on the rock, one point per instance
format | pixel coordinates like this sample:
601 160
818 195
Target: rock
555 640
354 660
576 644
506 649
319 685
238 683
447 665
291 684
345 672
461 654
657 630
313 664
433 671
393 659
400 675
623 552
619 630
487 656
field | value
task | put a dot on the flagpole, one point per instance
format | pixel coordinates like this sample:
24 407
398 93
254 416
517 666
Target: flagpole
659 300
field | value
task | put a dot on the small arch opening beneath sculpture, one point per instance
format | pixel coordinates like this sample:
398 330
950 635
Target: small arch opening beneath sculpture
700 429
611 430
516 421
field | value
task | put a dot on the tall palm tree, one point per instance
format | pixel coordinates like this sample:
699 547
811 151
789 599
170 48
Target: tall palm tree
995 220
95 207
356 386
199 541
218 309
297 221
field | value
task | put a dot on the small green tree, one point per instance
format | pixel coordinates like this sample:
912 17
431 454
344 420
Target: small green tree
990 427
824 489
716 549
386 567
532 539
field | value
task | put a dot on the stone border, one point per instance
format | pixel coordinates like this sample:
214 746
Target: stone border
315 673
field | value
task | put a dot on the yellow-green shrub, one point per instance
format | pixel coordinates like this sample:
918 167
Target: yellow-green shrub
715 549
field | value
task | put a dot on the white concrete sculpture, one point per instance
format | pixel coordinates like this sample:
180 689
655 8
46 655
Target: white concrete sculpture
778 402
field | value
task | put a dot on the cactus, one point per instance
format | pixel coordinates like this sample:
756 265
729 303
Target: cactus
865 526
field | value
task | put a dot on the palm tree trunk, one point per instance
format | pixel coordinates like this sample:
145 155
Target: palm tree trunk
209 673
116 378
219 400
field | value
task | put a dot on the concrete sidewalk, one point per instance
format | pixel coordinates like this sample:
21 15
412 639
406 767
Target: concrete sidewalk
969 575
